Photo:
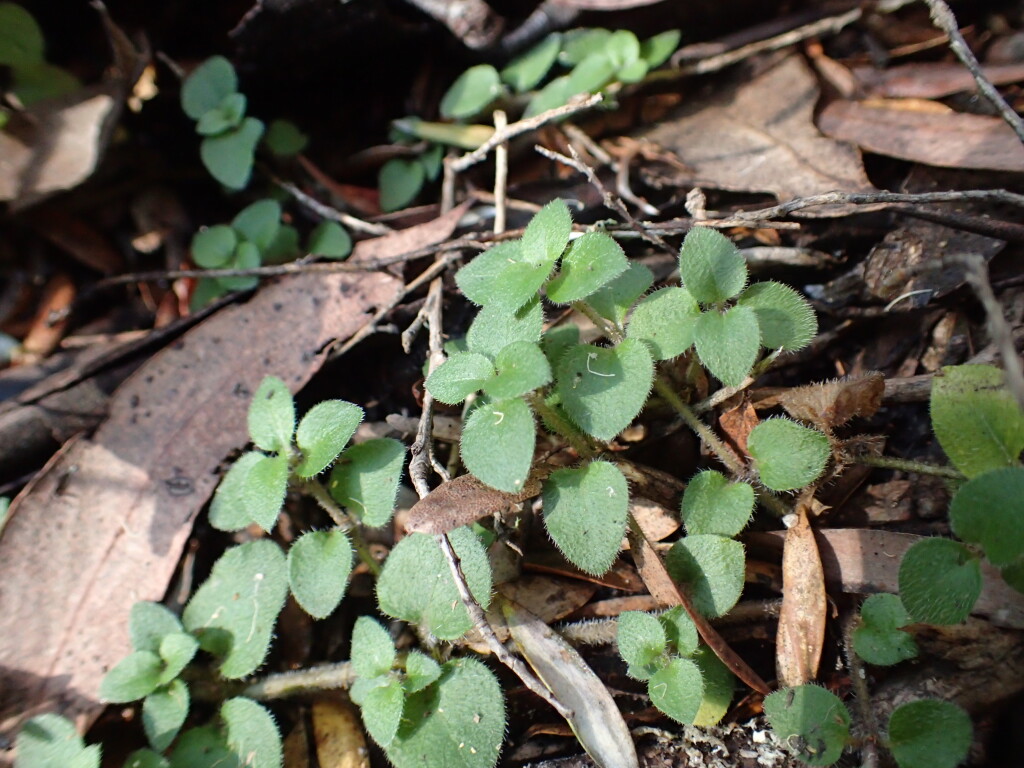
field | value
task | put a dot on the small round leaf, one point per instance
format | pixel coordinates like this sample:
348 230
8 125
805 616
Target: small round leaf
459 376
493 329
229 156
677 690
502 277
474 89
680 630
585 512
656 50
400 181
285 139
712 268
579 43
149 623
176 651
554 94
319 564
940 580
522 367
527 70
420 671
592 261
323 433
207 85
272 415
665 321
727 343
259 222
719 686
878 639
788 455
214 247
373 650
712 568
640 638
786 319
497 444
929 734
135 676
330 240
712 504
365 479
812 721
591 74
989 510
164 712
224 117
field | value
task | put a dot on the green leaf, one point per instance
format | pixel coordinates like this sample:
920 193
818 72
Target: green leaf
494 328
640 638
727 343
176 651
585 512
577 44
527 70
929 734
547 234
473 90
592 261
501 277
432 161
521 367
229 156
43 81
205 88
21 39
227 115
459 722
719 685
554 94
373 650
233 613
940 580
381 708
420 671
712 268
976 419
680 630
614 300
417 586
623 48
591 74
712 504
788 455
146 758
319 564
785 318
203 748
665 321
164 712
677 690
989 510
285 139
633 72
712 568
252 733
230 508
497 444
603 389
323 433
272 415
459 376
135 676
813 722
266 485
51 741
365 479
330 240
149 623
284 247
558 339
246 256
214 247
1014 575
259 222
878 639
656 50
400 181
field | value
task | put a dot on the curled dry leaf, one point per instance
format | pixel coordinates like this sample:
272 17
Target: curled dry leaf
831 404
802 619
463 501
736 422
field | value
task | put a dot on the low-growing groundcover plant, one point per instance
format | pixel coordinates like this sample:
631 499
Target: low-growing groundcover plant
438 706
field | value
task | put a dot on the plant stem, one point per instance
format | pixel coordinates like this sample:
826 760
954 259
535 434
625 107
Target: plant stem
562 426
724 453
320 678
327 503
614 333
909 465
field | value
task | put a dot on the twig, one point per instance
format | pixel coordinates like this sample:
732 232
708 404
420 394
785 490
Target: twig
909 465
522 126
943 18
320 678
862 696
327 212
999 329
500 173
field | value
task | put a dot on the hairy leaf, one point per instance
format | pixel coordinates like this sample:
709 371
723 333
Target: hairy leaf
711 267
615 299
522 368
989 510
149 623
929 734
497 444
494 329
813 722
677 690
788 455
640 638
366 477
940 581
319 564
323 434
727 343
785 318
373 650
666 321
592 261
381 707
164 712
504 276
459 376
712 569
878 639
135 676
547 234
712 504
272 415
252 733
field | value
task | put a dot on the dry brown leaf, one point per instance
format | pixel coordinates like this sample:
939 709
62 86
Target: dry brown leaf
862 561
932 80
295 749
338 735
43 337
460 502
801 634
949 141
736 423
103 525
657 521
831 404
759 136
546 597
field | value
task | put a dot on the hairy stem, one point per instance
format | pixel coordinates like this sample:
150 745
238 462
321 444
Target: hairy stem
909 465
561 425
723 452
327 503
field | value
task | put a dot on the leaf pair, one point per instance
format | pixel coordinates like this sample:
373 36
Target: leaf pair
726 338
684 680
22 49
425 713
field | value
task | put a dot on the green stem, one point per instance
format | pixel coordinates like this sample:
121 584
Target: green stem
341 519
703 431
614 333
562 425
909 465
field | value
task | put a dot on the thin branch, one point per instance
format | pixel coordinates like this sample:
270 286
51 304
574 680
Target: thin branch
500 173
523 126
943 18
319 678
333 214
909 465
